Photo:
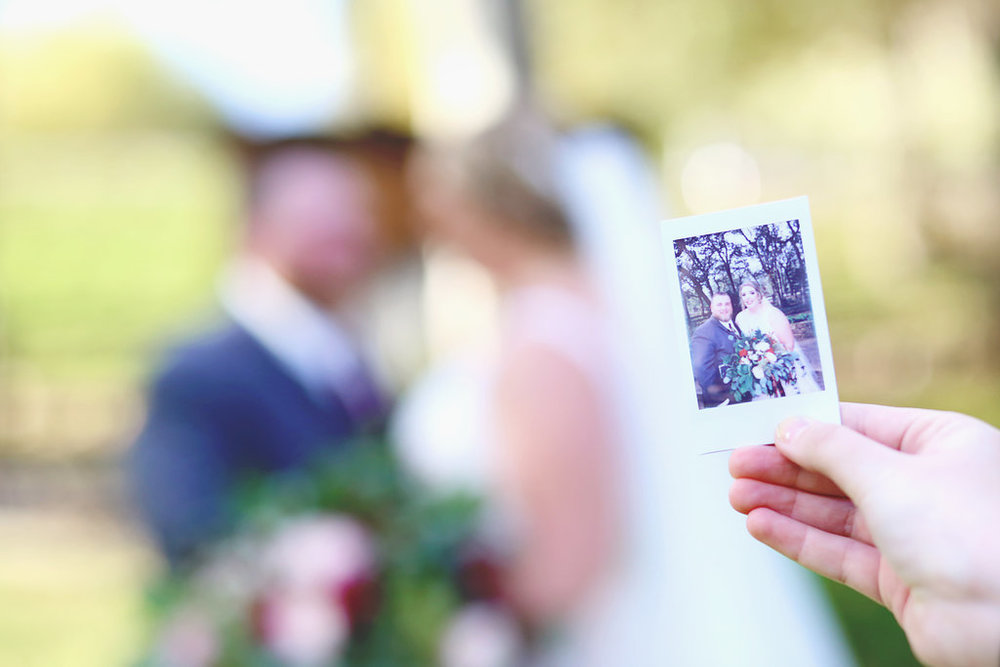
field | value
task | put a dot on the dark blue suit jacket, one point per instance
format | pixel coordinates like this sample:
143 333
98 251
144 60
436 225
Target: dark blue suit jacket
222 408
710 344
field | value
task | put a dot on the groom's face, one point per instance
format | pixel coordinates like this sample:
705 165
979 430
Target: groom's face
722 308
313 220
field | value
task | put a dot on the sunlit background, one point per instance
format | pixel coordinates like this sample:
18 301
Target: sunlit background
118 203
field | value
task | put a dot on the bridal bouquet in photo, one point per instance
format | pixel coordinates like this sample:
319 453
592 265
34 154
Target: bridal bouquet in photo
758 366
350 564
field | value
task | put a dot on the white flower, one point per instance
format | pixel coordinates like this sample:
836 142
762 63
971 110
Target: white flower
480 635
305 629
307 559
318 552
762 346
771 356
758 372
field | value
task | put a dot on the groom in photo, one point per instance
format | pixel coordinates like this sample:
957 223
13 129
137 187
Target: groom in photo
710 344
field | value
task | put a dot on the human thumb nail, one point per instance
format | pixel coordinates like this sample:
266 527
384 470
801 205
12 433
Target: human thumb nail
790 428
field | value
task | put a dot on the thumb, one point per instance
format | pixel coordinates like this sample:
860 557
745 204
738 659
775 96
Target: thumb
852 461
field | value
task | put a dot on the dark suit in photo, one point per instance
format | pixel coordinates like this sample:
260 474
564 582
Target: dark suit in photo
710 344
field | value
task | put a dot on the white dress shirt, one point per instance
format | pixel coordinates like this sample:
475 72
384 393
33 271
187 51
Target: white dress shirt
307 340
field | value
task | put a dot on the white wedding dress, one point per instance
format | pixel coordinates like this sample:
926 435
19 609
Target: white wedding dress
698 590
445 433
692 588
805 379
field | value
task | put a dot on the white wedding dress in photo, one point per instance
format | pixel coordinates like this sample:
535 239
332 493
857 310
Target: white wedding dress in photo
805 380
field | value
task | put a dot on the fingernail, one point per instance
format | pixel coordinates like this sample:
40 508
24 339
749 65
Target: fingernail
788 429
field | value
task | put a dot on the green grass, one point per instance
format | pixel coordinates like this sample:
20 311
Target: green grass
105 245
870 628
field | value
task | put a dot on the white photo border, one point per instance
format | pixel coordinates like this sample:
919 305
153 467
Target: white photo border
741 424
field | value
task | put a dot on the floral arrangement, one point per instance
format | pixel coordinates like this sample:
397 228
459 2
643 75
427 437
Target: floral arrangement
757 367
350 564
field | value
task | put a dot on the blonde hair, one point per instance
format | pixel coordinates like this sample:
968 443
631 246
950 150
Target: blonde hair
510 171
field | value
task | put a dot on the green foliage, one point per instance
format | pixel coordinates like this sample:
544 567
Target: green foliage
95 77
650 41
758 366
871 629
419 539
105 246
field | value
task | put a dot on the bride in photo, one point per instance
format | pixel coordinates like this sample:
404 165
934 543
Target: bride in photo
759 315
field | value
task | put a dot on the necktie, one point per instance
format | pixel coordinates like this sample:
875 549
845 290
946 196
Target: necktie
362 398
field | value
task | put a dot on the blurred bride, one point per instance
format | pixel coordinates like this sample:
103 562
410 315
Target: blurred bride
529 425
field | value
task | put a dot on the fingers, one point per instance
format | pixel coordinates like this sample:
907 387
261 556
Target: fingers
853 462
834 556
837 516
767 464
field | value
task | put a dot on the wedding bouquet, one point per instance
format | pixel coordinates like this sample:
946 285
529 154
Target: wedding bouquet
758 366
350 564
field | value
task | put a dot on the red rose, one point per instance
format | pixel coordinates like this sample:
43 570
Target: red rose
262 619
359 598
480 575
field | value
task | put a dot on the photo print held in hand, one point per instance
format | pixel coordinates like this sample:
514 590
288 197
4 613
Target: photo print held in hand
755 348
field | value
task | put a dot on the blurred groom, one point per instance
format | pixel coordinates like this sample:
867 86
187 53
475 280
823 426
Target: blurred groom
282 380
711 342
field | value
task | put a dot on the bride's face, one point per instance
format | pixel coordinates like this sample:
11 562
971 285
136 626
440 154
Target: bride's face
749 296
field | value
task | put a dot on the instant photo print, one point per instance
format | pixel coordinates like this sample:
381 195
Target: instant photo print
744 290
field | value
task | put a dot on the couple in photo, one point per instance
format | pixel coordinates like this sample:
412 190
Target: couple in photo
715 339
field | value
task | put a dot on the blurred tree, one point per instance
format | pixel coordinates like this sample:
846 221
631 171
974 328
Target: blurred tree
656 60
92 77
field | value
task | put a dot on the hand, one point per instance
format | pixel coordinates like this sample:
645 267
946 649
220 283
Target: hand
901 505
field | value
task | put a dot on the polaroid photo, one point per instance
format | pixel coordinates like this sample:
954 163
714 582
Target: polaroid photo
744 292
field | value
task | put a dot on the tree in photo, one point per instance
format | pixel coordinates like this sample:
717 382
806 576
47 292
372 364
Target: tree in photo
770 254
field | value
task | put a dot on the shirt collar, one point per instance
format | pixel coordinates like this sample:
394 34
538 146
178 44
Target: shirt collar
305 339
